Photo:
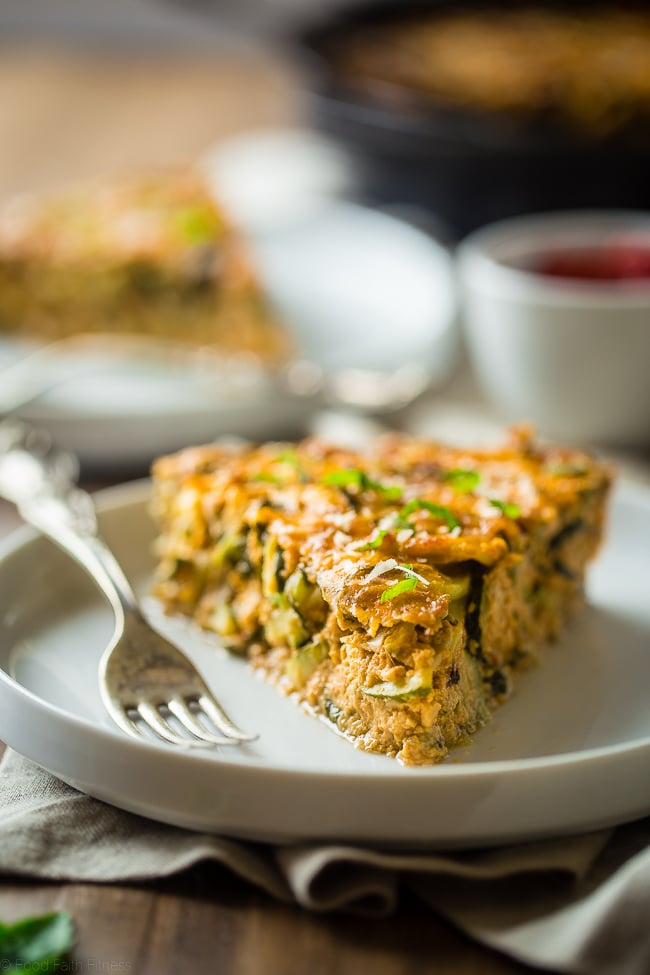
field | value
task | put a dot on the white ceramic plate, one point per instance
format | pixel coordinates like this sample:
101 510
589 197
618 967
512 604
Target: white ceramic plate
569 752
358 289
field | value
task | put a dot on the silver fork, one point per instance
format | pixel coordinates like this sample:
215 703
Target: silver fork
143 677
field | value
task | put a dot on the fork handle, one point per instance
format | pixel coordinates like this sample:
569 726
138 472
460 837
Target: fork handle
41 481
55 517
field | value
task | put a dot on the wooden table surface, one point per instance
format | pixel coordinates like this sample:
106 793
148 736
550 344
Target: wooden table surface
65 116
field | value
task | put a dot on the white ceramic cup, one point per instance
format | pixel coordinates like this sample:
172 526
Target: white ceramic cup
571 356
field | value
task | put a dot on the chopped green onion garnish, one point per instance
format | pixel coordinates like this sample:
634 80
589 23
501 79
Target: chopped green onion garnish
353 477
376 542
463 481
404 585
437 510
507 508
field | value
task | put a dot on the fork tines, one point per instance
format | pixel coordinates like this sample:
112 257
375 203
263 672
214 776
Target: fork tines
193 726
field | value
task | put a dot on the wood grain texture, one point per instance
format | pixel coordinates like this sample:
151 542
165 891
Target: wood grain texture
208 921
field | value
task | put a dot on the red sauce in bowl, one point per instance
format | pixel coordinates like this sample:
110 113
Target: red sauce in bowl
611 262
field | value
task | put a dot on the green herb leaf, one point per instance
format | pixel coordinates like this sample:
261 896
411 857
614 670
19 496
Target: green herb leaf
507 508
463 481
376 542
404 585
353 477
35 944
437 510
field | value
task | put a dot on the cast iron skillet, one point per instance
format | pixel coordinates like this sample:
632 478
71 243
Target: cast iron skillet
466 167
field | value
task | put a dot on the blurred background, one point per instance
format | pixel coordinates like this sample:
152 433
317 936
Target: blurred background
354 146
90 87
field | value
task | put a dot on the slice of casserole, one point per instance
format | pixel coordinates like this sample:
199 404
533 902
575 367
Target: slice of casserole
395 593
151 254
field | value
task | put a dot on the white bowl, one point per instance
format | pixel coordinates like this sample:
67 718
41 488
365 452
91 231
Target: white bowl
571 356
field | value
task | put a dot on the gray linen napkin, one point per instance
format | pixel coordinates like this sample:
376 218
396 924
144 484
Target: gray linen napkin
577 905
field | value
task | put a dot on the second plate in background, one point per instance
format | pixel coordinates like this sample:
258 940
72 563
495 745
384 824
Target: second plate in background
359 290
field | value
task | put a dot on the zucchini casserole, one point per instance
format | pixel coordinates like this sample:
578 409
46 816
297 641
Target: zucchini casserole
149 254
394 593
